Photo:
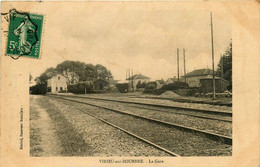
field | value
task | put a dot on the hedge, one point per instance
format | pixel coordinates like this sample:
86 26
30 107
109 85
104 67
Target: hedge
175 86
151 87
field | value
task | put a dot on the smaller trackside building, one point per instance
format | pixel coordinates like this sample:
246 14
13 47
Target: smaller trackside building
102 84
57 83
193 78
206 85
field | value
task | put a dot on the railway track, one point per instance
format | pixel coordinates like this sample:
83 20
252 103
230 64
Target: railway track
188 114
171 111
132 134
211 115
212 112
214 125
169 130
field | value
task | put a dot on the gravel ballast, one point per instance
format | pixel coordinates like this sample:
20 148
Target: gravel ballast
212 126
103 140
183 143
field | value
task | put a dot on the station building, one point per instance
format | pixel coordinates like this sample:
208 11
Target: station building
133 80
58 83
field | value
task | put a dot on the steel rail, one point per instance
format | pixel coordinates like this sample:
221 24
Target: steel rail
214 136
155 105
132 134
197 116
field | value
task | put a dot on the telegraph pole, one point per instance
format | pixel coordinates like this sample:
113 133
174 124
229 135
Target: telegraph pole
222 65
184 65
178 64
132 79
212 46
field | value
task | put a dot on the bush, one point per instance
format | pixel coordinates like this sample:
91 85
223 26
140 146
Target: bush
80 88
143 85
151 86
110 88
175 86
140 85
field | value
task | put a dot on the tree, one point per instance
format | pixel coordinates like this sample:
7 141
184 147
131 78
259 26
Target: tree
37 80
73 70
90 72
49 72
76 71
225 64
103 73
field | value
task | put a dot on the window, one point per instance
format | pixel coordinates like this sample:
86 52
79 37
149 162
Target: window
60 88
56 88
58 78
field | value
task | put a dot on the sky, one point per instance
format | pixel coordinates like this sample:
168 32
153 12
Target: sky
141 37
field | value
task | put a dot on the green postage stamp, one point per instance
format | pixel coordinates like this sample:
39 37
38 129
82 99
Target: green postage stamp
24 34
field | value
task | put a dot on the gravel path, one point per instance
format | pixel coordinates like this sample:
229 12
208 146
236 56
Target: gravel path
48 143
104 139
183 143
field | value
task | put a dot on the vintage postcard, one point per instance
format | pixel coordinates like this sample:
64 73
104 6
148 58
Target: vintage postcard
130 83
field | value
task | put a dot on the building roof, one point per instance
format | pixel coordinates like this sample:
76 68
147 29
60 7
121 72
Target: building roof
200 72
138 76
57 74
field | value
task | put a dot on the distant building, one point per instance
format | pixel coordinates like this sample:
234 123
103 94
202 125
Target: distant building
193 78
171 80
133 81
206 85
57 83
